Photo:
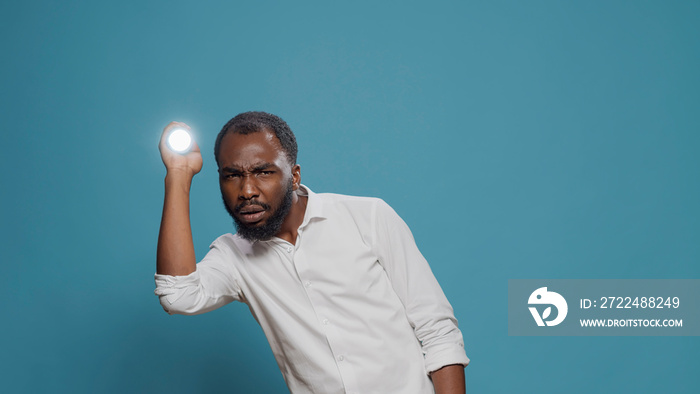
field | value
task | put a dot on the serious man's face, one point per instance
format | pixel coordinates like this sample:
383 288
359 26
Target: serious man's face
256 183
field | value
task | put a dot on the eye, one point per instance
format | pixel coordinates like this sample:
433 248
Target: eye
266 173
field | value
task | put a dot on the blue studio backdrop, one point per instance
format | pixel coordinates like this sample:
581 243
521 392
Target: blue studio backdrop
538 139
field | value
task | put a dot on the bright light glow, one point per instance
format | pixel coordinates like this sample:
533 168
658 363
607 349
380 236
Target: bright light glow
179 140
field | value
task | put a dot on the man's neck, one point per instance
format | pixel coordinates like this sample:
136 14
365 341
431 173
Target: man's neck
290 226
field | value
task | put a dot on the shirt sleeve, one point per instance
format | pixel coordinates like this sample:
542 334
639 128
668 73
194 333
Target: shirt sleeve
427 308
213 284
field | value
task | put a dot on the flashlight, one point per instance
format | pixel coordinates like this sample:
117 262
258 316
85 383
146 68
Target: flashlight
179 140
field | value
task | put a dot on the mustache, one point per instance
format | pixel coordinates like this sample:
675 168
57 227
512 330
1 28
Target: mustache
237 208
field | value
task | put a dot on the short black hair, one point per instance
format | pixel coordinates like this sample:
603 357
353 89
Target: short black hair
256 121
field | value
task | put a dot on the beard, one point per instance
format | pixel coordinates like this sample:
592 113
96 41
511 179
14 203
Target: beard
271 226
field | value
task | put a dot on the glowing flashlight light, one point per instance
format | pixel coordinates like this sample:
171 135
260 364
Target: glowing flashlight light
180 140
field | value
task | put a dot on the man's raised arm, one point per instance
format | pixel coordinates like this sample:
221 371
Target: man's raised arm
175 255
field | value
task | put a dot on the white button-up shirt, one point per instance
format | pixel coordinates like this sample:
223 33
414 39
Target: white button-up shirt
351 307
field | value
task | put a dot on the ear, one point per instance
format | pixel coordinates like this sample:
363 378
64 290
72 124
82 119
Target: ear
296 177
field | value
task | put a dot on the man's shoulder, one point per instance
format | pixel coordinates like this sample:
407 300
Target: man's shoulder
341 198
350 203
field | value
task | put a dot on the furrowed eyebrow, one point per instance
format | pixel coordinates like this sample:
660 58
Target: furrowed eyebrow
229 169
263 167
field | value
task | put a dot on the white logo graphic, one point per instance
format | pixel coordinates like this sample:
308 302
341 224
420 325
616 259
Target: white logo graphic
543 297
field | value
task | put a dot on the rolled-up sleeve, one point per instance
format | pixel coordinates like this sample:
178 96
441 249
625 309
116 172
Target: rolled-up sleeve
213 284
427 308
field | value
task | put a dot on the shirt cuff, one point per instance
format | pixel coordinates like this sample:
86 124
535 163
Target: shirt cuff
445 355
170 288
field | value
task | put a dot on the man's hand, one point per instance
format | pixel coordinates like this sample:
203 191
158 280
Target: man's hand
189 163
449 380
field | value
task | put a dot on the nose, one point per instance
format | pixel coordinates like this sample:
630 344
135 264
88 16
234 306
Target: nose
249 189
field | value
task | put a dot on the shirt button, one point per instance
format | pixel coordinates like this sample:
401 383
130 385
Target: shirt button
307 284
289 249
325 322
341 358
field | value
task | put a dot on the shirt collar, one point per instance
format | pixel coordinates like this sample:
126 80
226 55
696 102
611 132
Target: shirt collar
314 206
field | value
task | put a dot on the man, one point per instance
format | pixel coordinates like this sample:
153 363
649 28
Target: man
346 300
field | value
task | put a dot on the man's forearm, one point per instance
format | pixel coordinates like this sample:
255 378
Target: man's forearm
449 380
175 255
